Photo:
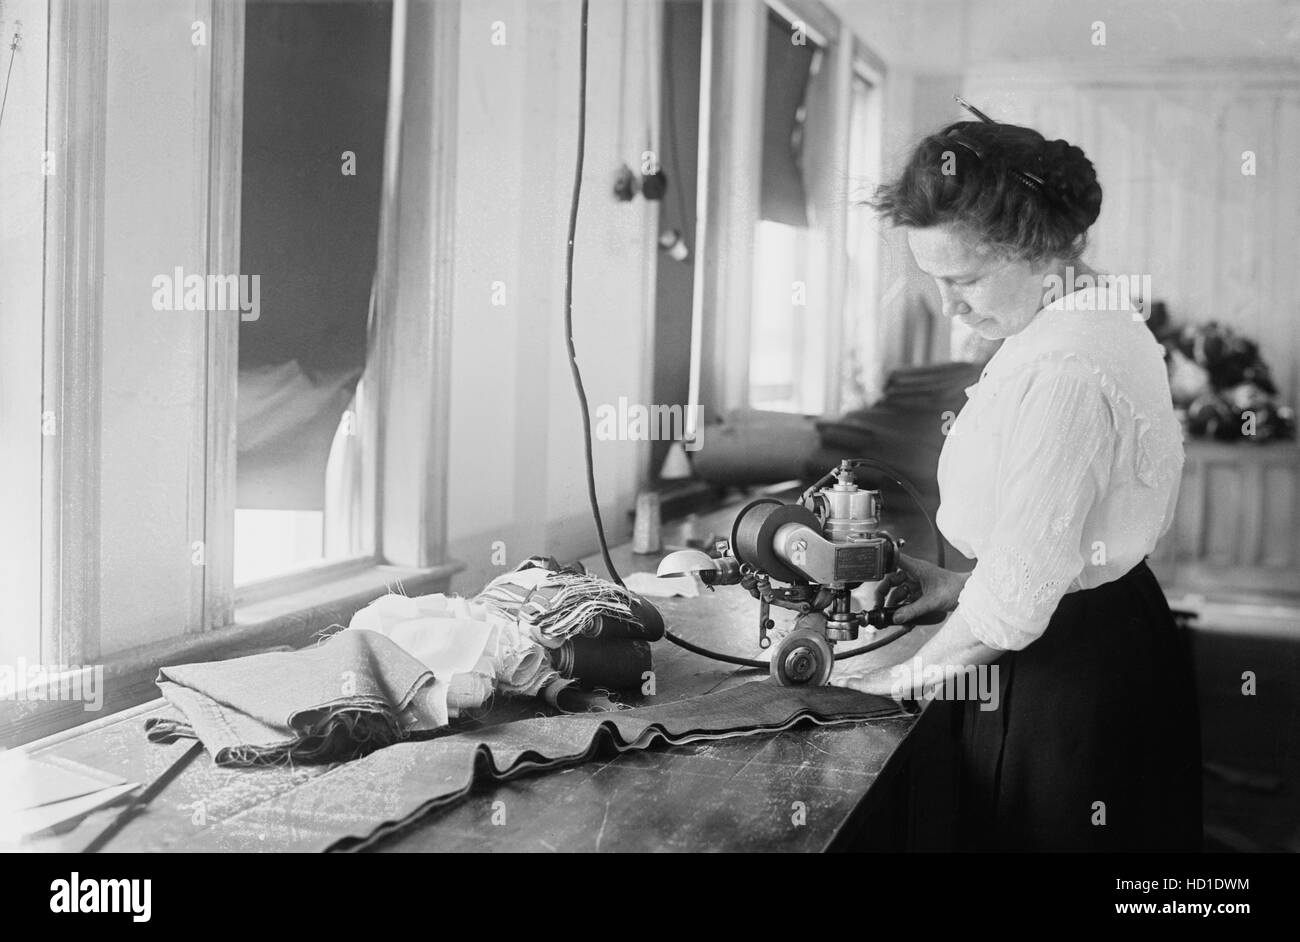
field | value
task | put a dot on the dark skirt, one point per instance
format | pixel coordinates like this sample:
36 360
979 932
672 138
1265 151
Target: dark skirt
1097 722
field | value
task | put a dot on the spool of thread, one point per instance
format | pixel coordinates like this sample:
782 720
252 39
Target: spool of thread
646 537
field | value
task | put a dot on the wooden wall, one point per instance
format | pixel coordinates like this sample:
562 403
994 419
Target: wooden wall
1168 145
1234 532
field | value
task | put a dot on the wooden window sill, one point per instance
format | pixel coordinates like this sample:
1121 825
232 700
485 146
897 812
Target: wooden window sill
292 619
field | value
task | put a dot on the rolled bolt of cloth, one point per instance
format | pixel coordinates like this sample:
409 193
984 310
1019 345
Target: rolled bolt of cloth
617 664
406 781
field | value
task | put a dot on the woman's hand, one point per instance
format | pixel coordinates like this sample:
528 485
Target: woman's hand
880 681
918 588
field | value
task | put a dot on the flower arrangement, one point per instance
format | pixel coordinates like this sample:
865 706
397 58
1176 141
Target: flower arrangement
1221 386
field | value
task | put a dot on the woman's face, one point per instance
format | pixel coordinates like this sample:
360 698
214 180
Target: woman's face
992 295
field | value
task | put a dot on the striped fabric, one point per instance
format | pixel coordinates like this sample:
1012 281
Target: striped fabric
555 602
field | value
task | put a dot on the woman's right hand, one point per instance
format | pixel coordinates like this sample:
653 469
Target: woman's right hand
919 588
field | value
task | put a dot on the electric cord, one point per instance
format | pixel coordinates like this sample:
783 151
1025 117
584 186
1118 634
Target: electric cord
765 665
13 49
940 556
574 204
671 109
568 302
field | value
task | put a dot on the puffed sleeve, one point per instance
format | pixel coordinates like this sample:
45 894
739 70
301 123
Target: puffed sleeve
1058 439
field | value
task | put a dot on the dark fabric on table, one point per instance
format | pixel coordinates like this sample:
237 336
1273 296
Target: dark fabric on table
753 447
358 803
334 701
1101 708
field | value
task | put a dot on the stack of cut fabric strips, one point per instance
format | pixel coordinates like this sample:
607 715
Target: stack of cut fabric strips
596 632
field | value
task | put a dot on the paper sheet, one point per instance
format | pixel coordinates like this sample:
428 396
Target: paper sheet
37 794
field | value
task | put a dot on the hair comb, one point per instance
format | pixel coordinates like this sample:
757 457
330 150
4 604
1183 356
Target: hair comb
1031 180
973 110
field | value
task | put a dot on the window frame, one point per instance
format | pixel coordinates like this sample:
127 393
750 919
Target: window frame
727 205
406 419
76 114
865 338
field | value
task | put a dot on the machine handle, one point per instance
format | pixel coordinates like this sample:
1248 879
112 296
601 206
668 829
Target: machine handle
930 618
881 617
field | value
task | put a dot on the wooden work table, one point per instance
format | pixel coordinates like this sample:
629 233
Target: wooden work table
807 789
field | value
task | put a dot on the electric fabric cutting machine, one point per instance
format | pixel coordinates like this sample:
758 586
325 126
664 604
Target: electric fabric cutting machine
819 549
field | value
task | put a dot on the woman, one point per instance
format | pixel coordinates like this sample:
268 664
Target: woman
1058 477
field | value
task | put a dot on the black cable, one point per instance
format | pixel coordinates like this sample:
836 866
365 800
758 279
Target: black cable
764 665
568 302
940 555
586 412
672 129
13 49
138 802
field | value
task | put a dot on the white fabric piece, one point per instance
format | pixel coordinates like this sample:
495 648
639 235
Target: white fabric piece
441 632
446 634
1062 471
428 708
471 649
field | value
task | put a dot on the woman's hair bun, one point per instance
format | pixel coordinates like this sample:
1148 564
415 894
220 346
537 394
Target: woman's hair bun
1029 196
1072 180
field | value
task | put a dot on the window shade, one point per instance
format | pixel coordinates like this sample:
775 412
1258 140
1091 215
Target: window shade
786 79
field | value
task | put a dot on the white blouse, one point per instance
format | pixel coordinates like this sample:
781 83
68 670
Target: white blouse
1062 470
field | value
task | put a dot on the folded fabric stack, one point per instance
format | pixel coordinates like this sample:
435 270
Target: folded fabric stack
355 692
553 602
412 665
596 633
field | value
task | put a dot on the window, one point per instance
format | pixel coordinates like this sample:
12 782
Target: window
863 377
312 163
787 322
788 352
786 288
122 404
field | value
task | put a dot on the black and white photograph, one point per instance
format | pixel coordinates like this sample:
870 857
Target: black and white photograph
652 426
